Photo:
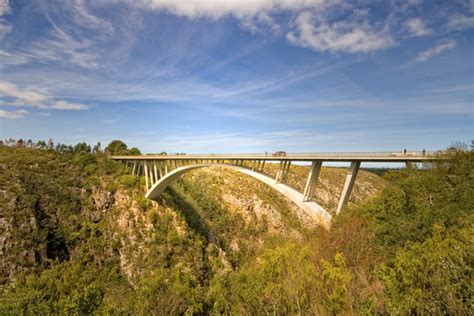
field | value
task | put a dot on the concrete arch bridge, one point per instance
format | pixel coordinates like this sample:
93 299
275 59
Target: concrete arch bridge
161 170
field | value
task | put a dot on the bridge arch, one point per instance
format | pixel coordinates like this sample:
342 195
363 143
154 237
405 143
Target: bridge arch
310 207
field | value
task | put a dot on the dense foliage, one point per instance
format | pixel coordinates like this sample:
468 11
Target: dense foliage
78 238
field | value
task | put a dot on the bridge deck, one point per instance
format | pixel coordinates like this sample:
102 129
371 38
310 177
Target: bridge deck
337 157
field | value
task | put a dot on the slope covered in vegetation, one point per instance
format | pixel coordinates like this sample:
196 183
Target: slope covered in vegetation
77 236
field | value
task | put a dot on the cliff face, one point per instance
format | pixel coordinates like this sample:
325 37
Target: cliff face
80 216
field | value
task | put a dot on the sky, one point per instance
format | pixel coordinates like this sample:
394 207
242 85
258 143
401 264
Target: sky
203 76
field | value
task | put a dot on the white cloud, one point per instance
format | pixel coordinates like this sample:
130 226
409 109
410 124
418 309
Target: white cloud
63 48
74 39
436 50
239 8
416 27
461 22
352 35
4 7
12 114
4 10
7 59
64 105
4 28
32 97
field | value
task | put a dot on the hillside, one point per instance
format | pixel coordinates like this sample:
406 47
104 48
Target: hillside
78 236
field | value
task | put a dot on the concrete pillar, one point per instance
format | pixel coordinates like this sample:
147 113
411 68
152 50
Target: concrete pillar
286 170
279 175
150 170
146 175
263 165
160 168
348 185
134 168
312 180
166 166
155 170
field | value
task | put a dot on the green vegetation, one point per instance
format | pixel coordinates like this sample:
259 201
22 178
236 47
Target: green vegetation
78 237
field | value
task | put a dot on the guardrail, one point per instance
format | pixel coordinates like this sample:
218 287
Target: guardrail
321 154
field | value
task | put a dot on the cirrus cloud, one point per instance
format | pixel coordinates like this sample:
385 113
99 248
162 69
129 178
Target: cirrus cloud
436 50
12 95
417 27
354 35
4 10
12 115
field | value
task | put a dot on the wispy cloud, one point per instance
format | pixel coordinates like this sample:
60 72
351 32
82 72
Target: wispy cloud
12 95
239 8
436 50
12 115
416 27
313 30
461 22
8 59
5 9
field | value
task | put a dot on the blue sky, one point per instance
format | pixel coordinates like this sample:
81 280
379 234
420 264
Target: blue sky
239 76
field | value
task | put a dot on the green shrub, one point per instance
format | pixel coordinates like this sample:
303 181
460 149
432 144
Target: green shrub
128 180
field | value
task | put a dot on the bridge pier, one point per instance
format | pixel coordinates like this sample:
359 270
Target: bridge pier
348 185
146 175
312 180
278 174
134 168
152 174
282 174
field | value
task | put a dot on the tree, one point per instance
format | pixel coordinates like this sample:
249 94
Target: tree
41 144
134 151
82 147
116 147
20 142
96 148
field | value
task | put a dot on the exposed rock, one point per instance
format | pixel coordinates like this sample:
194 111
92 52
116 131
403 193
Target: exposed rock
103 201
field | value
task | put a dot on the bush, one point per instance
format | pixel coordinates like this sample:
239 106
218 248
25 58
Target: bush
433 277
128 181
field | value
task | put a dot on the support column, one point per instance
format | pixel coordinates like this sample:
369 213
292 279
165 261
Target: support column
160 167
139 168
312 180
152 177
263 165
348 185
134 168
286 170
146 175
155 170
279 175
166 166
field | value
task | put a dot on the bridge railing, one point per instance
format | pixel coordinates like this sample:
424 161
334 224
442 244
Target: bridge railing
313 154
